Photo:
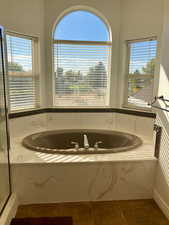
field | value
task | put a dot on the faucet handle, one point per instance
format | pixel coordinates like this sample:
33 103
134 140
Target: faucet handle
96 145
76 144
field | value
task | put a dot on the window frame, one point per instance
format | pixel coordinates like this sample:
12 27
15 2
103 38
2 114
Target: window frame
35 69
126 104
108 43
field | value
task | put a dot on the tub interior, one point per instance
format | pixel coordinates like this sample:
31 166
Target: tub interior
62 140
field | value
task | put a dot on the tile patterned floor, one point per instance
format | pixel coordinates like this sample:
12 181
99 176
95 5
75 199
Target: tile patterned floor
137 212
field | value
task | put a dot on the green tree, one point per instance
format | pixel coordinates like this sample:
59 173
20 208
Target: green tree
91 77
59 72
136 72
15 67
97 75
70 76
59 81
73 76
150 67
134 82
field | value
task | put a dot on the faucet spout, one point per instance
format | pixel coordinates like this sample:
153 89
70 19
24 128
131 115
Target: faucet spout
86 143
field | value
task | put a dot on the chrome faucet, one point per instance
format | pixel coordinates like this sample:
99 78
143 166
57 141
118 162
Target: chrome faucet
86 143
76 144
96 145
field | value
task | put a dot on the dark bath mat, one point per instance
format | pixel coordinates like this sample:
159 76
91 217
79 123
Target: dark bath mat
43 221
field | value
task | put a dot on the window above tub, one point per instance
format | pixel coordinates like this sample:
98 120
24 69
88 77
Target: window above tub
82 51
141 64
23 75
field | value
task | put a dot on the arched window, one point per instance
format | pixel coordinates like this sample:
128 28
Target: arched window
81 60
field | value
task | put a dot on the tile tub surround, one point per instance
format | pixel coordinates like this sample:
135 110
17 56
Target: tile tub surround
23 126
74 182
21 155
128 123
45 178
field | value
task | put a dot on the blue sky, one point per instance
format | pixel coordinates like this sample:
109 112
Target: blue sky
81 25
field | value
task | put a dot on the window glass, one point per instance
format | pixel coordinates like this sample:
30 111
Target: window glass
22 80
141 71
81 61
81 25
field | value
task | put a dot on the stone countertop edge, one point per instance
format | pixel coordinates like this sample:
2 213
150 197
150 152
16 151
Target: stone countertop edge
45 163
82 110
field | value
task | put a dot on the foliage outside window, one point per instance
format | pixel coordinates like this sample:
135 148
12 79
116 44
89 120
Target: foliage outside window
141 71
23 81
81 61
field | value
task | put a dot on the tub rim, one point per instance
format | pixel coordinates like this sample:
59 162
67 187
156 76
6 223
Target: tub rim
71 151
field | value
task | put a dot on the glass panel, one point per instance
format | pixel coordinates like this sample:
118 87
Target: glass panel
4 164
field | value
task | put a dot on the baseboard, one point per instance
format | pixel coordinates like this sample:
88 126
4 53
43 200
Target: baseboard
9 211
161 203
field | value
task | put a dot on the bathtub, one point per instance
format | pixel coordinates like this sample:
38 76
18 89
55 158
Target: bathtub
62 141
81 177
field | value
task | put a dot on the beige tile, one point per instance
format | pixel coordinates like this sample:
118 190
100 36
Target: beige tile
144 128
63 121
97 120
125 123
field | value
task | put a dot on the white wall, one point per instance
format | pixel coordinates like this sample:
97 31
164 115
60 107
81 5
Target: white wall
161 192
26 17
161 189
22 16
141 18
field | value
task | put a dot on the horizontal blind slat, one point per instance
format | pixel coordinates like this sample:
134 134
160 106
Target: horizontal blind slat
141 71
81 73
22 85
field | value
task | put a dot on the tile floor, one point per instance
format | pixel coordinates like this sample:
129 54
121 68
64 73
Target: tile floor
137 212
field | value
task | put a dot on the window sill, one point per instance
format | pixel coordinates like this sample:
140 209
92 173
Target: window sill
130 106
82 110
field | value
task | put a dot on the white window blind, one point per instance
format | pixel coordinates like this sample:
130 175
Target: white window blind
23 80
141 71
81 73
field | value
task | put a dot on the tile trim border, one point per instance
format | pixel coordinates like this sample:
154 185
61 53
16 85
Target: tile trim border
10 210
82 110
161 203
